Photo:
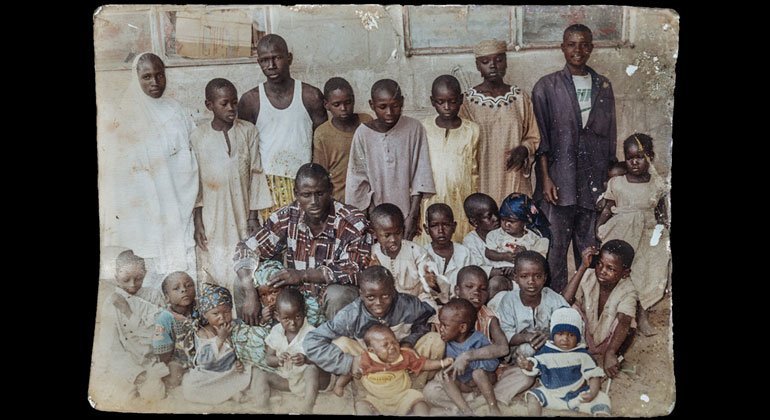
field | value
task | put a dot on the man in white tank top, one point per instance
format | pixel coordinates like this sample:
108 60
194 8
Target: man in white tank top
286 112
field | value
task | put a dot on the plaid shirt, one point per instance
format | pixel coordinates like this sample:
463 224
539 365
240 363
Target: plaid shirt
341 250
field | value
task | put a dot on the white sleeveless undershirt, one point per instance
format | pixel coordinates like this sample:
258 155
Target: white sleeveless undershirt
285 135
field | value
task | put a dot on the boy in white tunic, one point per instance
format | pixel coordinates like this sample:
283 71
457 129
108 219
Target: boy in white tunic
232 184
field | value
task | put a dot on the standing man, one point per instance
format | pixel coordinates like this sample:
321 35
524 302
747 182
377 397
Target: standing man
286 112
575 111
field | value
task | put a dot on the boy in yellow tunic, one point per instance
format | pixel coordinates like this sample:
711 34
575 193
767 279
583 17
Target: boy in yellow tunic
453 146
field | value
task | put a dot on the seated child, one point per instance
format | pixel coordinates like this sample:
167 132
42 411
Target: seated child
616 169
471 285
458 318
407 261
525 316
608 333
449 256
334 345
499 284
636 213
217 374
268 295
174 339
569 376
384 372
295 373
129 317
522 227
481 212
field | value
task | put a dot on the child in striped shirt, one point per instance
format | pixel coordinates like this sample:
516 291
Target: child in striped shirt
570 378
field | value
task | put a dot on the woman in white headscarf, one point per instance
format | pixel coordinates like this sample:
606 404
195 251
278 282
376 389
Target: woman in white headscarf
150 175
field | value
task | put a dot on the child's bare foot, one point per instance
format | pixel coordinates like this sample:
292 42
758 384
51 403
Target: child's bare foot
339 391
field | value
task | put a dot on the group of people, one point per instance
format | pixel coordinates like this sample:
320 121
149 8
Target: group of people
272 248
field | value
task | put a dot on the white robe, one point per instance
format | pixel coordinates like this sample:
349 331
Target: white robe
149 181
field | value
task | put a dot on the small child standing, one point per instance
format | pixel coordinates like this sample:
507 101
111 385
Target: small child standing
389 160
233 187
295 373
634 213
129 316
384 370
565 366
458 318
332 139
522 227
453 145
607 300
448 255
405 259
174 339
217 374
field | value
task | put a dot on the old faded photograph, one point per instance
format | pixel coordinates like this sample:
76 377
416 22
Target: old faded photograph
395 210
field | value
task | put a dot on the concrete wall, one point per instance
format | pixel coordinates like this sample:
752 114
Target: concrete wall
335 41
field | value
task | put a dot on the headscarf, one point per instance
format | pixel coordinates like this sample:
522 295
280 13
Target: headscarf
161 119
209 298
266 269
150 177
520 207
489 47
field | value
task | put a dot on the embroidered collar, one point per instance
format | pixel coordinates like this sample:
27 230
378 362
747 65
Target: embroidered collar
493 102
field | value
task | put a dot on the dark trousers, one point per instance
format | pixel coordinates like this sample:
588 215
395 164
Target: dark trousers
568 224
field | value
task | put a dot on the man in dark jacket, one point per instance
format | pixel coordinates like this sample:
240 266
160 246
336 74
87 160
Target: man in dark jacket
575 111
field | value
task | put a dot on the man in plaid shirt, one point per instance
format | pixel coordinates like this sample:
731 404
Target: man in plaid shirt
326 243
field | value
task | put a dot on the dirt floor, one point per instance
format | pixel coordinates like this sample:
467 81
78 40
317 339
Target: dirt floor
644 388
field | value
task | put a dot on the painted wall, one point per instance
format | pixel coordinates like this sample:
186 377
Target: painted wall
335 41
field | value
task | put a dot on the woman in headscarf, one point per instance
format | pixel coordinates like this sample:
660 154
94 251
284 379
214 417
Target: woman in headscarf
150 175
